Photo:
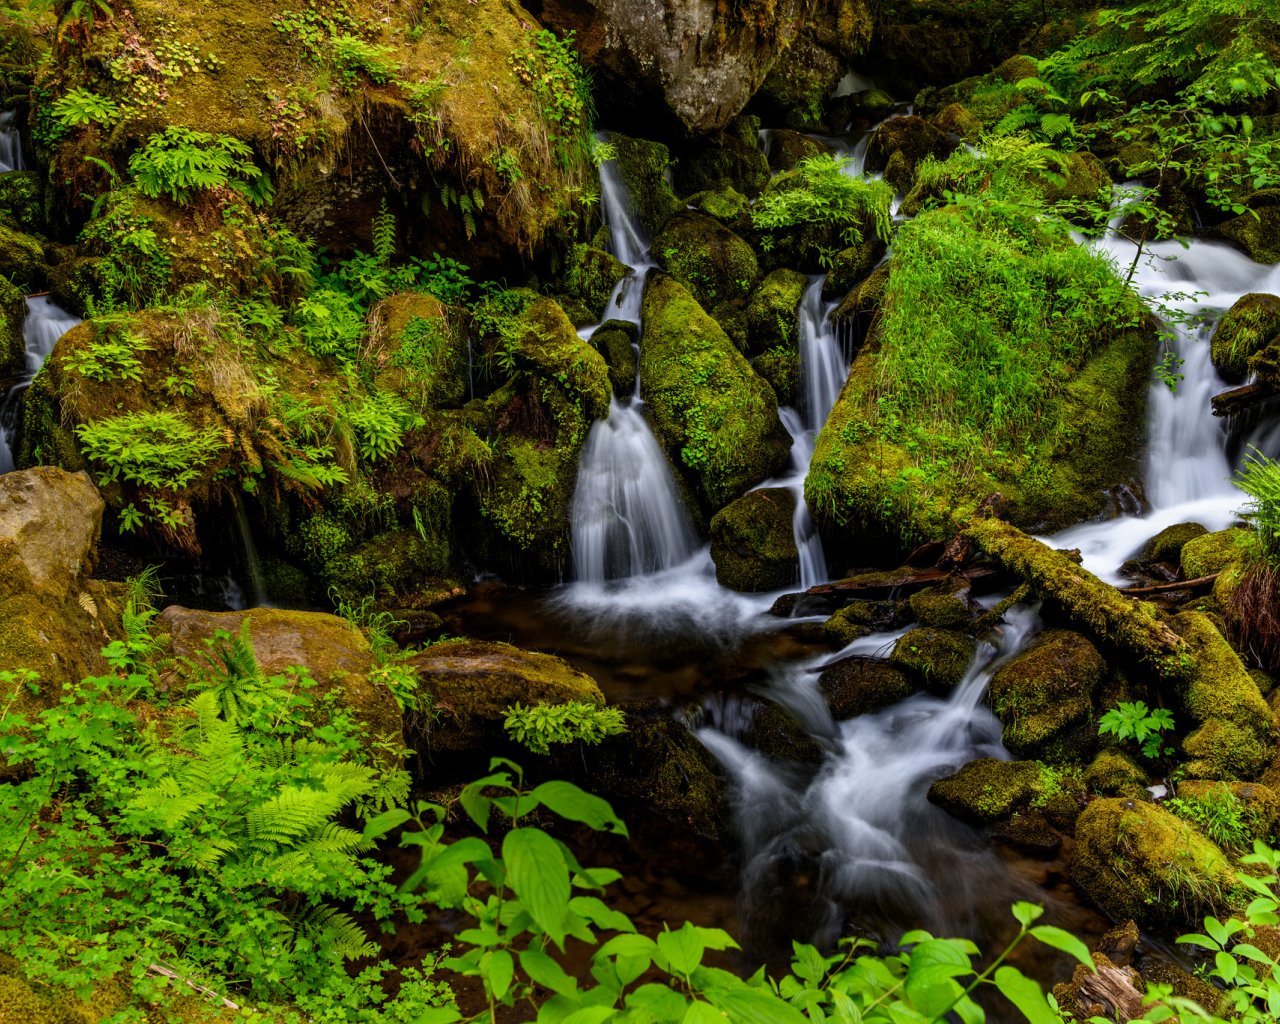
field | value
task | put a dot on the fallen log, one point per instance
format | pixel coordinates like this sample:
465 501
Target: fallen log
1229 403
1199 581
895 579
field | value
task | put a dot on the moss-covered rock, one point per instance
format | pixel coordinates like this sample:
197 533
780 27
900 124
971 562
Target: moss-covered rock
425 356
1084 180
615 341
22 258
863 299
644 173
1211 552
714 415
861 686
22 201
1222 749
939 657
786 148
1046 689
726 205
847 625
1246 329
473 682
729 161
1114 773
1257 235
1167 545
852 265
913 137
776 733
950 603
956 120
781 368
1258 805
773 312
706 257
1138 861
988 789
590 275
753 542
13 312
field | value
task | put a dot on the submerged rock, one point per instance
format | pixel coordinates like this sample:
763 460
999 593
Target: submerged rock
940 657
1246 329
1136 860
753 542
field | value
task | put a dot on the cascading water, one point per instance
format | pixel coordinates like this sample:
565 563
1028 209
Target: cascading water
10 143
44 325
260 599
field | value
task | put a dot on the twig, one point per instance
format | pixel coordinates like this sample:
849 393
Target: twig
1199 581
170 973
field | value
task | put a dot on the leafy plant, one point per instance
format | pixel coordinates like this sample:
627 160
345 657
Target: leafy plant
820 191
182 160
81 106
1134 721
1219 814
380 423
157 450
111 355
539 726
330 322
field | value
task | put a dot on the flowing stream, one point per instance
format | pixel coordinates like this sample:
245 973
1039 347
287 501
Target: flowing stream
45 323
10 143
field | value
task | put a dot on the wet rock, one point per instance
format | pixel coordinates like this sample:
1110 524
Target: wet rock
615 341
776 733
950 603
852 265
872 105
913 137
801 605
900 172
714 415
773 312
956 120
1167 545
847 625
1085 179
1211 552
782 370
1171 874
472 683
1044 690
1246 329
726 205
1259 804
1030 833
1114 773
22 258
706 257
1258 236
986 790
13 346
940 657
732 160
1185 984
643 166
864 299
860 686
22 201
753 542
786 148
591 276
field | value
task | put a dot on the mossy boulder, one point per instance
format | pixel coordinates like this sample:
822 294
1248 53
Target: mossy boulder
852 265
773 319
848 624
590 275
781 368
22 258
1222 749
1258 805
786 148
861 686
338 656
863 299
1256 233
954 119
988 789
939 657
706 257
872 105
776 733
471 684
753 542
1114 773
1137 861
950 603
13 313
1212 552
425 355
1084 180
1167 545
1246 329
728 161
1045 690
913 137
726 205
644 173
22 201
615 341
714 415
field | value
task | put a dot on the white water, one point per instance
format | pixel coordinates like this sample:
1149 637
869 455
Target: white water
45 323
10 144
260 599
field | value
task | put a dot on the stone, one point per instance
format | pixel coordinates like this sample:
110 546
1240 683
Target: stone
949 603
861 686
52 519
773 319
940 657
753 542
1167 545
1245 330
707 258
1211 552
988 789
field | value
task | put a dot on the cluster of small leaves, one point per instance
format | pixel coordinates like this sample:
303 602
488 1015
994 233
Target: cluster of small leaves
111 355
1135 721
821 191
183 160
380 422
550 66
573 721
82 106
158 450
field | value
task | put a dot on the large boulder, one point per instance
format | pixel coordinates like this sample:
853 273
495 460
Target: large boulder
938 657
1167 545
590 277
1211 552
753 541
1137 861
1045 691
714 415
1257 233
706 257
644 167
911 139
471 683
732 159
1247 327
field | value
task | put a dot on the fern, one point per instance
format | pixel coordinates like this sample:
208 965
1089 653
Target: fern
182 160
384 235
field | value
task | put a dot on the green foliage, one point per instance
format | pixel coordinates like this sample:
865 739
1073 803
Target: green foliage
1220 815
380 422
182 160
156 450
331 323
543 724
113 354
1135 721
1259 477
80 106
820 191
352 57
550 67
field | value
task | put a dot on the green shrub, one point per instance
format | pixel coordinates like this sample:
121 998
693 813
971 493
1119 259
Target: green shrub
380 421
155 450
331 323
80 106
182 160
539 726
821 192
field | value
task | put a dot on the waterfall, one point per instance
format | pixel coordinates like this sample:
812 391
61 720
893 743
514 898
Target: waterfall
10 143
260 599
45 323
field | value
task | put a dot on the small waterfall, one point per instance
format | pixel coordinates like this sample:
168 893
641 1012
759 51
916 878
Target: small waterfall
260 599
45 323
10 143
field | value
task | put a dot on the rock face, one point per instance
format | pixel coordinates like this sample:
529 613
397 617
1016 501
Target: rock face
338 657
753 543
52 519
473 682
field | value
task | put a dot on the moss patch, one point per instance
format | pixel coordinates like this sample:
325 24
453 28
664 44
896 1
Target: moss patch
644 173
753 542
950 603
1211 552
940 657
860 686
781 368
773 312
1246 329
1114 773
1167 545
988 789
707 258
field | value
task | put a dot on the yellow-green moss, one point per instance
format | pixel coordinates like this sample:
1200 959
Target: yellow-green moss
1256 232
988 789
781 369
949 603
773 312
1259 804
1246 329
644 173
1113 773
753 542
1167 545
591 276
1045 689
940 657
707 258
1211 552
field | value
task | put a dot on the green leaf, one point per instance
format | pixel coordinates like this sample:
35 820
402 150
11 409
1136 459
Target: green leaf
602 916
699 1012
655 1002
1252 953
568 801
537 872
1026 912
439 1015
546 972
1026 995
501 970
1198 940
1065 941
683 949
385 822
754 1006
590 1015
463 851
475 803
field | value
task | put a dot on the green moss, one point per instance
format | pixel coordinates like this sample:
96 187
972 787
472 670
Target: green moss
1137 861
1257 805
940 657
425 358
707 258
987 789
861 686
1084 180
864 298
13 311
22 201
711 411
590 275
1114 773
954 118
726 204
949 402
1184 984
787 148
22 258
913 137
773 312
1245 330
1045 690
1167 545
1212 552
847 625
851 266
781 368
644 167
947 604
753 542
775 733
1257 233
614 340
1224 750
731 161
